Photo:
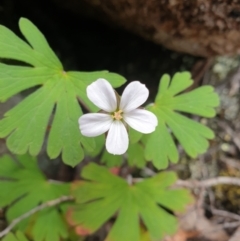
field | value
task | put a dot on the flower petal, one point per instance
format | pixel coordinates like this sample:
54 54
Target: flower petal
117 139
101 93
94 124
143 121
134 95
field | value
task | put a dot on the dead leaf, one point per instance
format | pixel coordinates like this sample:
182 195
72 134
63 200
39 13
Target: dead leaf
194 220
236 235
182 235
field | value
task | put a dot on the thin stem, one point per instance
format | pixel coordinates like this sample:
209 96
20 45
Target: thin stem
209 182
50 203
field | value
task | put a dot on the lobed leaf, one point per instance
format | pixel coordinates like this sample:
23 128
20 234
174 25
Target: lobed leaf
103 195
56 97
22 188
134 136
49 226
19 236
111 160
136 155
193 136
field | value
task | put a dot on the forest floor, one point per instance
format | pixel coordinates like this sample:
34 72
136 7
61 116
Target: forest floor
215 216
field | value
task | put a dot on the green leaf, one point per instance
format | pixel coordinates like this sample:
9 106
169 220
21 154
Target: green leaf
111 160
18 237
100 142
134 136
49 226
105 194
24 186
56 98
135 155
160 146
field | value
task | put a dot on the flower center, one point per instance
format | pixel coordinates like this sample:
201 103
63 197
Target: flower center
117 115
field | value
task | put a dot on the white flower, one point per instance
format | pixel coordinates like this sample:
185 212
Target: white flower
117 114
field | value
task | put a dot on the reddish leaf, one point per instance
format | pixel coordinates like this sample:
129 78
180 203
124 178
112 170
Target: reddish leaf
82 231
115 170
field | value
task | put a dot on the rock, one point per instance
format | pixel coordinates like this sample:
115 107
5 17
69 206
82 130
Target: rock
201 27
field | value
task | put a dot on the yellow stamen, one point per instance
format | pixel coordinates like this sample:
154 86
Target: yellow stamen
117 115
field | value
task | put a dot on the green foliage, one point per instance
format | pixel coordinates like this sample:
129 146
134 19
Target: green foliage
111 160
160 146
24 187
59 91
134 136
18 237
52 110
104 194
136 155
135 152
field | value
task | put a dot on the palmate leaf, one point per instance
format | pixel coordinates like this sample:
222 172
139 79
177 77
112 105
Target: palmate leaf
24 186
19 236
105 194
160 146
26 124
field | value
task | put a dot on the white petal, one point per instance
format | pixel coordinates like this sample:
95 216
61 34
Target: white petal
101 93
117 138
143 121
134 95
94 124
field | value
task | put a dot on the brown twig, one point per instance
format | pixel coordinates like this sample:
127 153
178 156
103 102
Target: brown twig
225 214
209 182
50 203
231 224
226 127
198 71
84 105
231 162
